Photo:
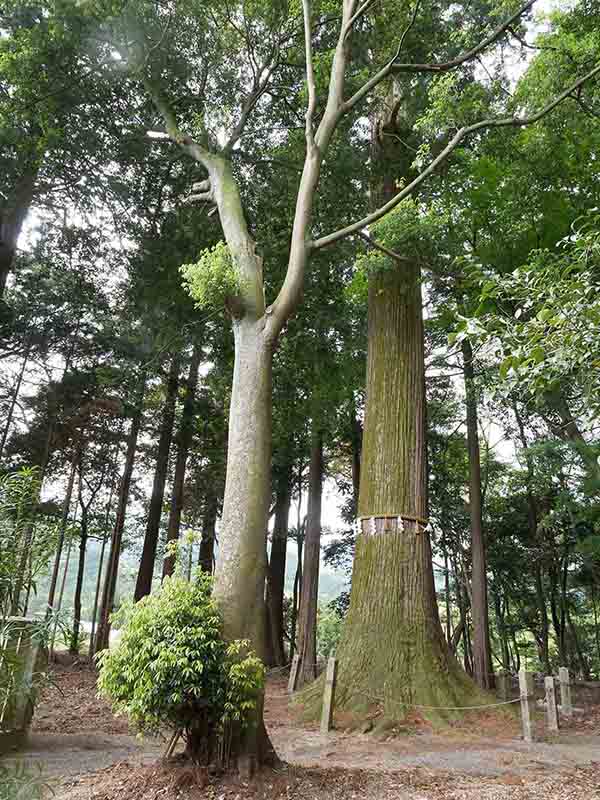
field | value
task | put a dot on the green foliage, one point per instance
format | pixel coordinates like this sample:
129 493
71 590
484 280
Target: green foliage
544 317
329 629
172 666
20 782
213 278
26 543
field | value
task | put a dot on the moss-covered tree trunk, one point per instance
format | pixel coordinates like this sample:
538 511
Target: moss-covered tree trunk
392 646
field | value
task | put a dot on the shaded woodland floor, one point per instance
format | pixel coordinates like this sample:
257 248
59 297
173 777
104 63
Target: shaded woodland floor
91 755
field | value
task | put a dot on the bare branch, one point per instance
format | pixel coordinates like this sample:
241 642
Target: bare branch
390 253
392 67
310 73
359 13
462 133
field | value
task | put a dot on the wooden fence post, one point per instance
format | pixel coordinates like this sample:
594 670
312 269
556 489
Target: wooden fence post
295 668
503 684
329 696
565 691
527 693
551 711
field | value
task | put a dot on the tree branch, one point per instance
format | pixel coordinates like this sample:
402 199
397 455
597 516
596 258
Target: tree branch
395 256
392 67
310 73
462 133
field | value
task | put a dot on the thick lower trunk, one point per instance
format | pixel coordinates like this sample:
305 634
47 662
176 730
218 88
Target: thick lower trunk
110 579
184 441
241 569
482 654
392 648
277 561
307 614
143 584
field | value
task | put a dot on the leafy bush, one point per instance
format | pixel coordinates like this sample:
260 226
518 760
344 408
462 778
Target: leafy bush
172 667
213 278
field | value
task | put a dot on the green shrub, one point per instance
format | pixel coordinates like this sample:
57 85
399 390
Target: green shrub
213 278
19 782
172 667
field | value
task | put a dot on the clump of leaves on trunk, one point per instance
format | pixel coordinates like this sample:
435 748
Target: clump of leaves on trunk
172 668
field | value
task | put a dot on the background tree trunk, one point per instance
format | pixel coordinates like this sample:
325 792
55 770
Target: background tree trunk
277 562
206 558
184 441
307 615
61 530
143 584
482 653
110 579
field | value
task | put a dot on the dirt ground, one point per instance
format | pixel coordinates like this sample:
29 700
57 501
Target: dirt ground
88 754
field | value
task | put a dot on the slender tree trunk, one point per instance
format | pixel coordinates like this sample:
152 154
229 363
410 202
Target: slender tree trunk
532 521
61 530
110 579
482 654
392 644
143 584
100 565
15 397
296 594
184 441
307 615
206 557
74 647
277 562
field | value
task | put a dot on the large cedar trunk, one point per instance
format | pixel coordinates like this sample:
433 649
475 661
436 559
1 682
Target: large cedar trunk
393 649
307 614
482 654
143 584
112 570
276 577
184 441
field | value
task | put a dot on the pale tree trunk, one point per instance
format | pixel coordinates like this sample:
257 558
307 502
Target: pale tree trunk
277 562
482 654
112 569
241 569
100 565
143 584
184 441
11 222
307 615
392 644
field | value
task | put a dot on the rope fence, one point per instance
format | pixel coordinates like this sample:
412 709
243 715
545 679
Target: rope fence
526 698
